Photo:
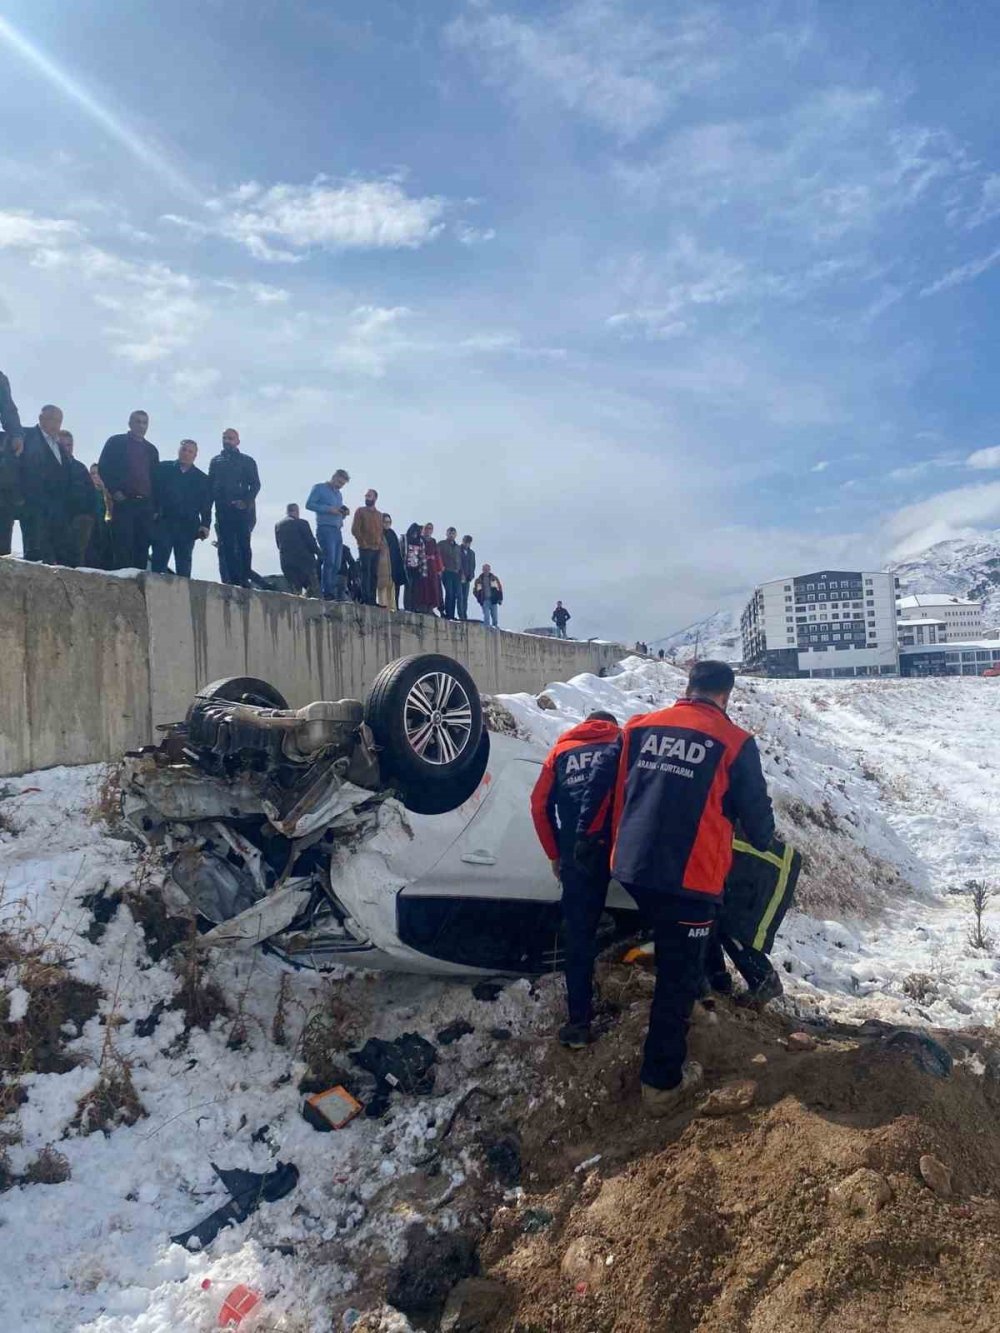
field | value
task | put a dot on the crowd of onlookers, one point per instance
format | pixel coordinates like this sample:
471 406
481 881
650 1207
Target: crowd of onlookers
413 571
132 510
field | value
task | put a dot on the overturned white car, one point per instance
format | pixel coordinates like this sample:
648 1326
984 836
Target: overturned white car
390 833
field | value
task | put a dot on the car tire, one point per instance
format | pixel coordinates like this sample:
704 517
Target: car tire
245 690
437 798
427 719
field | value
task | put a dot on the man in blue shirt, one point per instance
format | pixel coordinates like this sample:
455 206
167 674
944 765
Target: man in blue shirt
327 503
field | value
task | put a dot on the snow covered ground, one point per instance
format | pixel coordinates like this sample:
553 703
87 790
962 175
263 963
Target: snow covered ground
888 787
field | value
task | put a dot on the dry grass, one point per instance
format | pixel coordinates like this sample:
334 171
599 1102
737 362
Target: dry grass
199 997
328 1032
107 808
112 1101
50 1167
35 1044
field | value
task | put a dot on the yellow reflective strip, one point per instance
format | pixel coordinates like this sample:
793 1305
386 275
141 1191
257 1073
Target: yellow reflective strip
776 897
740 846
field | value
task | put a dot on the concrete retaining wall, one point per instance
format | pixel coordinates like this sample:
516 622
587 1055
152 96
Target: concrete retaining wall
90 664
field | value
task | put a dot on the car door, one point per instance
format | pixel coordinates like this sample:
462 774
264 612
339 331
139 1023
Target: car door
491 901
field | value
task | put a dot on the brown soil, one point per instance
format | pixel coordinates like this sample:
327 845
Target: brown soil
697 1225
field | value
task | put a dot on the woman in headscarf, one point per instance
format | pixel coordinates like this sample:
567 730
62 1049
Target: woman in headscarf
431 594
391 571
415 560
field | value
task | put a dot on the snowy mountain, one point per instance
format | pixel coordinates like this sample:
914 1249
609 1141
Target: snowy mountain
717 636
964 566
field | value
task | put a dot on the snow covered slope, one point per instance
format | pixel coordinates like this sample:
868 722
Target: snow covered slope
965 567
717 636
888 787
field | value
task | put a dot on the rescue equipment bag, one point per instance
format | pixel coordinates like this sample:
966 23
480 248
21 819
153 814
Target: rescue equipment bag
759 891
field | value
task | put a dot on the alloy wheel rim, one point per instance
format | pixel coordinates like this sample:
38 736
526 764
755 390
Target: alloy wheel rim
438 718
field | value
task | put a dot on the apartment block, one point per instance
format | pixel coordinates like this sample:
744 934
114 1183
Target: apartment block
962 618
825 624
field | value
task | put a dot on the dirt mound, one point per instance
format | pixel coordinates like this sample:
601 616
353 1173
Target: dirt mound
806 1214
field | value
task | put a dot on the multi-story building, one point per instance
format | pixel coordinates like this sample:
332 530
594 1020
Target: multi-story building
831 623
916 633
950 658
963 619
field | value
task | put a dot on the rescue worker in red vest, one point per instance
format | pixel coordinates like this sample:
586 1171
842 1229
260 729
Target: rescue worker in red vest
678 780
555 809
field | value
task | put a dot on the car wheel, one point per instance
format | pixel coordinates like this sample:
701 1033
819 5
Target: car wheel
245 690
422 798
427 718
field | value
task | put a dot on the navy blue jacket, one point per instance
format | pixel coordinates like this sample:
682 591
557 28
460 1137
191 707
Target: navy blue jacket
678 781
558 795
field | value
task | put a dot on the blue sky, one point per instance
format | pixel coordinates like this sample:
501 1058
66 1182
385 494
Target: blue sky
655 300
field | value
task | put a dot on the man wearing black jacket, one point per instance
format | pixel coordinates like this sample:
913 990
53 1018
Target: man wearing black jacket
128 466
182 510
78 510
43 487
234 483
668 794
11 445
298 551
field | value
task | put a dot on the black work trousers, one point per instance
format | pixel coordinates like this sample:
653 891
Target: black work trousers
234 545
681 932
583 897
131 532
178 538
368 561
753 966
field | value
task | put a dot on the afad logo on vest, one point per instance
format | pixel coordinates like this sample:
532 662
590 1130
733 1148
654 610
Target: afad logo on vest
675 747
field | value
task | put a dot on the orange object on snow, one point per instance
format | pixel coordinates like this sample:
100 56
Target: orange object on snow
337 1107
237 1305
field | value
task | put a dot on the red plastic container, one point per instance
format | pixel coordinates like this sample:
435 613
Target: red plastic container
237 1305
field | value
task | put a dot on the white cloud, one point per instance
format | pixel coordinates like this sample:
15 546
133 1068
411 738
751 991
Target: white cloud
371 340
828 167
469 235
24 231
281 223
656 325
985 458
193 381
963 273
821 466
620 71
988 204
954 513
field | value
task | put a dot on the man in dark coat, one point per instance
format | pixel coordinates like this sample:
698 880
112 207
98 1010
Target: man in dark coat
298 551
78 508
11 445
467 572
43 487
183 505
128 468
560 618
234 483
556 802
675 785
